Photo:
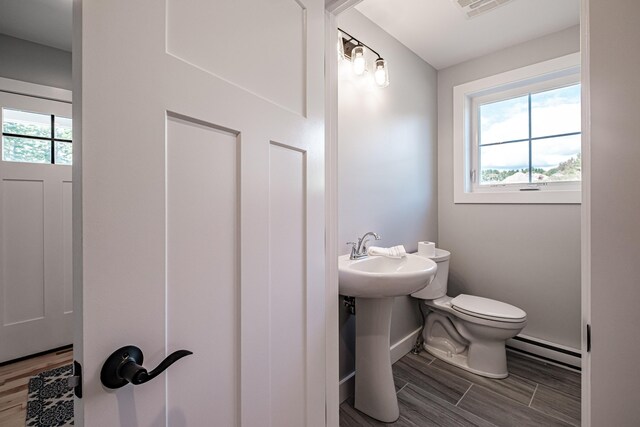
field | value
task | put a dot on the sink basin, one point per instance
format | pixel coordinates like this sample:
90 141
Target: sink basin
380 277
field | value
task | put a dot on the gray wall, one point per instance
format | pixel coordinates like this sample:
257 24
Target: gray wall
34 63
526 255
387 162
615 212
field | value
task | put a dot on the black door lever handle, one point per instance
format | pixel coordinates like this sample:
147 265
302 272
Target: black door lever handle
125 366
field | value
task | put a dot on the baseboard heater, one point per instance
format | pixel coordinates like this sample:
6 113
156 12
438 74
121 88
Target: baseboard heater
550 352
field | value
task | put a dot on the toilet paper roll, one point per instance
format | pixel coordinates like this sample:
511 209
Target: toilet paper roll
427 249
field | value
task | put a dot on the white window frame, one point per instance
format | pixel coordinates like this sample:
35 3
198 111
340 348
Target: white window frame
33 98
558 72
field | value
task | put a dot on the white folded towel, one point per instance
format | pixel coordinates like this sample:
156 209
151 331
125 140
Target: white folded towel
393 252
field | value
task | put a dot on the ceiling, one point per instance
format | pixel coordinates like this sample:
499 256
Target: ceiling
436 30
47 22
439 32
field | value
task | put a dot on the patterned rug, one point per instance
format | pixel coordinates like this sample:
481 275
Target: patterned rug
50 401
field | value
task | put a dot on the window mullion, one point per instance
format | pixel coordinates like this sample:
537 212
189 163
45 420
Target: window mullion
530 136
477 168
505 142
53 136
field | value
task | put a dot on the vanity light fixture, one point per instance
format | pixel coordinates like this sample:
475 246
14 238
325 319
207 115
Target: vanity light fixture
353 49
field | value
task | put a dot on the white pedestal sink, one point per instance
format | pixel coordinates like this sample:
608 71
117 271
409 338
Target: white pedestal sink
375 281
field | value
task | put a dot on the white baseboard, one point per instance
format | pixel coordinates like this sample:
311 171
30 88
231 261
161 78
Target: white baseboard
398 351
404 346
347 386
549 352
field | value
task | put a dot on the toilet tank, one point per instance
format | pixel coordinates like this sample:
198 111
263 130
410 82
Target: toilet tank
438 287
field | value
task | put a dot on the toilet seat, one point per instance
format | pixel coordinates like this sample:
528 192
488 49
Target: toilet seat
486 308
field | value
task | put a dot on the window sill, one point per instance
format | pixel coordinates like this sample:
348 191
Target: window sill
568 197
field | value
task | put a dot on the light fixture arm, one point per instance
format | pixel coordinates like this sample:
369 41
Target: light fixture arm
359 42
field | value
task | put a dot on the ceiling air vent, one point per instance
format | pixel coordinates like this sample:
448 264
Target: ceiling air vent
473 8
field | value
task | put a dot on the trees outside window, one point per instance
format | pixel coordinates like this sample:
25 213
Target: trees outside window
36 138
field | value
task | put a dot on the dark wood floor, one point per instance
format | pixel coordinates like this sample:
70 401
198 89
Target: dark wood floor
433 393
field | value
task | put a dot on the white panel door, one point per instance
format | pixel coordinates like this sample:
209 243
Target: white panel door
200 189
36 311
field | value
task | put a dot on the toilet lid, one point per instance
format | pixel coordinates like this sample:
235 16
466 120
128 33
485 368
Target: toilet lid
487 308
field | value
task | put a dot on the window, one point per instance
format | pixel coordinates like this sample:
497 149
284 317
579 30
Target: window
517 136
36 138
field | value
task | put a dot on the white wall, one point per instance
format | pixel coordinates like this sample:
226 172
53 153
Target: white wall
387 162
34 63
615 211
526 255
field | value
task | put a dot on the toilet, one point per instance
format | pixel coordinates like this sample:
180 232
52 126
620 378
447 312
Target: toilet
467 331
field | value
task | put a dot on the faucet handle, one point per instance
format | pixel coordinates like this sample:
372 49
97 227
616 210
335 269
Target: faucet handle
354 249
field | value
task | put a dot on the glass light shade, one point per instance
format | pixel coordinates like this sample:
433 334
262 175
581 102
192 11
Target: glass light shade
381 73
359 64
340 47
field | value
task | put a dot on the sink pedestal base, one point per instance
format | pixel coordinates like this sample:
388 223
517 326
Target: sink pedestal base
375 392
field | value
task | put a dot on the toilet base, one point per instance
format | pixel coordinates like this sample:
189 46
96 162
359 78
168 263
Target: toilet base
460 360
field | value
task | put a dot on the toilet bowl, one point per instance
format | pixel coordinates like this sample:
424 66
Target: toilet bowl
468 331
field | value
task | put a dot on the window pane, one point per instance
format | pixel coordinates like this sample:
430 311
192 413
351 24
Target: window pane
63 128
25 123
25 150
63 152
555 112
504 163
504 120
556 159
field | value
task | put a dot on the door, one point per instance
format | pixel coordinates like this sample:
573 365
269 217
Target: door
201 203
36 306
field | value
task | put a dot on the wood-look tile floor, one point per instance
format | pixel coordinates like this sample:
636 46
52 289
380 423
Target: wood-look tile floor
433 393
14 382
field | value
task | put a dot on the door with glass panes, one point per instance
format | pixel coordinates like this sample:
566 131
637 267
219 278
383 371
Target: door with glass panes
36 305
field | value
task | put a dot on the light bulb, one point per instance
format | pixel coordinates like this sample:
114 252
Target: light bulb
359 64
381 73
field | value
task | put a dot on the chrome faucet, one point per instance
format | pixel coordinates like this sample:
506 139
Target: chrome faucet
359 249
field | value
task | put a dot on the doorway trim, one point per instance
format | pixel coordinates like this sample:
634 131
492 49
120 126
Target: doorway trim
585 212
20 87
333 8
